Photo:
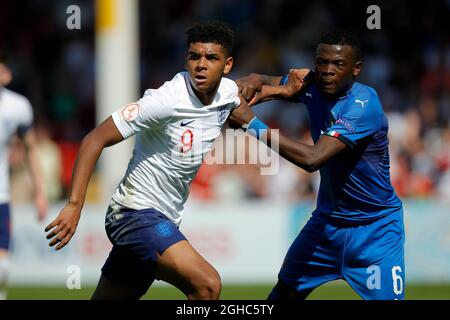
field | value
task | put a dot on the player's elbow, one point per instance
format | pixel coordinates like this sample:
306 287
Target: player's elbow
312 163
92 141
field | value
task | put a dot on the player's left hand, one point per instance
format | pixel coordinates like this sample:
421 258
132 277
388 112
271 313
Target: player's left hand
240 115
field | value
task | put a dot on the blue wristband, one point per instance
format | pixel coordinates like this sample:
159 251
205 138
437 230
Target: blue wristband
257 128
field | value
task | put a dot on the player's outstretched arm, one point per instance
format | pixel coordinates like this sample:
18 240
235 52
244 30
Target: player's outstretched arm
253 83
63 227
40 199
257 88
308 157
298 79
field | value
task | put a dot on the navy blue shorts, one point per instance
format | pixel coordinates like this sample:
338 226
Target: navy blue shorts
370 257
5 226
138 237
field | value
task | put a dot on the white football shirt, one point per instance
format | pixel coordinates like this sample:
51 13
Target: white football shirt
174 132
15 114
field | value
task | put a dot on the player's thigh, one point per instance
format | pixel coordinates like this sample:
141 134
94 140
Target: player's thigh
182 266
313 258
377 271
109 289
125 275
382 281
139 238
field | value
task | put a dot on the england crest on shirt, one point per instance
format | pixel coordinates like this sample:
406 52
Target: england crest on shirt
222 114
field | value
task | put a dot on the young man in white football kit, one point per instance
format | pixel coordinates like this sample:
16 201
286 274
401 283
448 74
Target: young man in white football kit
16 117
175 127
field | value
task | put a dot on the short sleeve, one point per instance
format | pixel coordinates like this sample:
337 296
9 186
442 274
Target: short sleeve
237 102
229 91
358 120
235 95
153 110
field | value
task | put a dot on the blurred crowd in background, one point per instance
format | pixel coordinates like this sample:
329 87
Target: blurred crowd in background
407 61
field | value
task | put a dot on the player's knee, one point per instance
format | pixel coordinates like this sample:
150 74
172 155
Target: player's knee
207 287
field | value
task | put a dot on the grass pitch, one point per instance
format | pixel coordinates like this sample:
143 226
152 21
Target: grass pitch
337 290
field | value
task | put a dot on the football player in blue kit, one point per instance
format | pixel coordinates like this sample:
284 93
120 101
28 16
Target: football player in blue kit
356 232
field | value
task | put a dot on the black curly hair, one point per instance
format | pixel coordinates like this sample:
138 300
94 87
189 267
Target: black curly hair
212 31
341 37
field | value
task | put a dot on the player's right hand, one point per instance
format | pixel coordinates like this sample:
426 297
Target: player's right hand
250 86
297 80
64 226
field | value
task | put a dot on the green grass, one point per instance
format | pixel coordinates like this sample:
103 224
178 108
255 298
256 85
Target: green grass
337 290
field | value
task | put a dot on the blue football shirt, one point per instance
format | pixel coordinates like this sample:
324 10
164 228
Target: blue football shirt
355 184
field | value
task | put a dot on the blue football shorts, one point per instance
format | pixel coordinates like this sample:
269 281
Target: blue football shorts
138 236
370 257
5 226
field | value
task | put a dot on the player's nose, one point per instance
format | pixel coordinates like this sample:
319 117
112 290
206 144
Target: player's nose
201 63
328 69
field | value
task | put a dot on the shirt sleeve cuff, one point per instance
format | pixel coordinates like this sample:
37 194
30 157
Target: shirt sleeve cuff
335 134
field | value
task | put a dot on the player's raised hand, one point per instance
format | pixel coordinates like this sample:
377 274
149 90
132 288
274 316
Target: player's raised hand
250 86
64 226
297 79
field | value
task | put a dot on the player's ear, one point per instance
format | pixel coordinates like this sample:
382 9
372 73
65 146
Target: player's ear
357 68
228 65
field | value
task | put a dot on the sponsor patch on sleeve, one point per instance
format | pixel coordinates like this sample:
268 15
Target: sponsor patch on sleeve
346 124
130 112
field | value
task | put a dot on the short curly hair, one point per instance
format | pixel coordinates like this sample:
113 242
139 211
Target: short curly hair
341 37
212 31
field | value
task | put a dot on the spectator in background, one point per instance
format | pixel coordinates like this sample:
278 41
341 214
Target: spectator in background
50 160
16 117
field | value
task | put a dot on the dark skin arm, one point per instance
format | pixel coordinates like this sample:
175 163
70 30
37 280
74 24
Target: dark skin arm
254 82
65 224
257 88
308 157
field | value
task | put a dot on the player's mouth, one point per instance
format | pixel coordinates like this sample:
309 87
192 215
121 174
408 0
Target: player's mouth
327 84
200 79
